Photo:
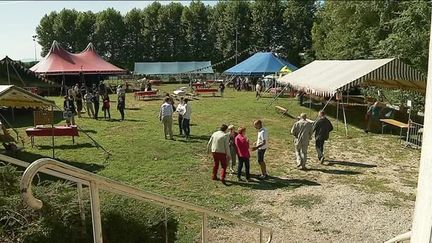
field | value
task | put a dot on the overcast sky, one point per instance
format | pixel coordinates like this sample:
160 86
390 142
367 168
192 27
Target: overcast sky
18 21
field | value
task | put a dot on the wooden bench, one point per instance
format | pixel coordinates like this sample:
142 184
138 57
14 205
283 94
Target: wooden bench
281 109
206 91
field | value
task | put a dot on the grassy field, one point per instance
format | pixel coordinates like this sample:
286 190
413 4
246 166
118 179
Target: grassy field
143 158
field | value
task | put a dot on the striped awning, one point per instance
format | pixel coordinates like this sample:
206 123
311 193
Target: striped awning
13 96
326 77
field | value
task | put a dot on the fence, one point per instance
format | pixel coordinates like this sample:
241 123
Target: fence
414 134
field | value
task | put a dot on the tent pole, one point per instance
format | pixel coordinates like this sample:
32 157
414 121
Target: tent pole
52 132
19 76
345 121
337 115
277 96
7 70
62 86
422 221
310 104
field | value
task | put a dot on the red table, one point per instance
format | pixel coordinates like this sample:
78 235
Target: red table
204 91
57 131
145 94
156 82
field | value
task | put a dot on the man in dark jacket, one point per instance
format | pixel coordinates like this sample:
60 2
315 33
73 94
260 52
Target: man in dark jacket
322 128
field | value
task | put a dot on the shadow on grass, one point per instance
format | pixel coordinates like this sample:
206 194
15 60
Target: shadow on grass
354 164
272 183
335 172
67 146
30 157
88 131
133 109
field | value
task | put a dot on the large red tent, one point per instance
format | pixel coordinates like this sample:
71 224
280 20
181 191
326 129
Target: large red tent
58 61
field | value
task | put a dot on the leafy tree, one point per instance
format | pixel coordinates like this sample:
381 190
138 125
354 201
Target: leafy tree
298 19
351 29
267 24
216 30
109 34
151 33
65 29
134 44
172 41
411 46
85 28
195 26
45 31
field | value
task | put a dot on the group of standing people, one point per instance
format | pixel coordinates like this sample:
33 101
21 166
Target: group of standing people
228 145
73 102
184 111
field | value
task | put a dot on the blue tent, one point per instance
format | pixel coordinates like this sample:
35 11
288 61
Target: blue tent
261 63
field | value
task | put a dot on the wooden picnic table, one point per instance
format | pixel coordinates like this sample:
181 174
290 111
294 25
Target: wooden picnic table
395 123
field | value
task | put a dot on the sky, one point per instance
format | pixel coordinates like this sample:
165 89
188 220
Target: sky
18 21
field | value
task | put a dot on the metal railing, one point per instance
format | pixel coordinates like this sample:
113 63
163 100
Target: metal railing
96 183
400 238
414 134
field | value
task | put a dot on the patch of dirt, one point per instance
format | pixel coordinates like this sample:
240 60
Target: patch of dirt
362 196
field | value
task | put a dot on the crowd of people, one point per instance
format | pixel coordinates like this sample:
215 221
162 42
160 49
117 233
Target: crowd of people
229 146
226 145
79 95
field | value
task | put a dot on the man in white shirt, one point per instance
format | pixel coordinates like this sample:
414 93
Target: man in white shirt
186 113
261 146
165 116
218 145
180 111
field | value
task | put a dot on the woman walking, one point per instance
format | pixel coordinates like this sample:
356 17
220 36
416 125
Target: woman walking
242 145
232 147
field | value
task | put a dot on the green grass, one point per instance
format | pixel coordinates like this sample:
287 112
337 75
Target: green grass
141 157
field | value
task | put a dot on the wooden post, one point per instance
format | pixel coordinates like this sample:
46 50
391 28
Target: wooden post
422 222
52 132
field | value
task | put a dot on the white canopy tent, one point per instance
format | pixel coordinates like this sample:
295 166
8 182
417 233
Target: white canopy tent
326 77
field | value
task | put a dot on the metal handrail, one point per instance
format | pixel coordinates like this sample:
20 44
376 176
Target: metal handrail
400 238
97 182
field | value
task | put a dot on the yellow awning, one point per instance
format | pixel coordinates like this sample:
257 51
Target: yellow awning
13 96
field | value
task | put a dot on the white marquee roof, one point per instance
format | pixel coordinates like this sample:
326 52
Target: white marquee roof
326 77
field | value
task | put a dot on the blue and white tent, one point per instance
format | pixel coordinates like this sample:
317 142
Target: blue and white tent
261 63
172 68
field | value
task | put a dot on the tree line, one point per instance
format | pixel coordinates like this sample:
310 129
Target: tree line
175 32
298 30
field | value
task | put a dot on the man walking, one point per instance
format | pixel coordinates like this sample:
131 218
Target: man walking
219 147
322 128
165 116
302 131
261 146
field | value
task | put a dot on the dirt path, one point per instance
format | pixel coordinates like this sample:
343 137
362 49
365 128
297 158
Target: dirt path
346 201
